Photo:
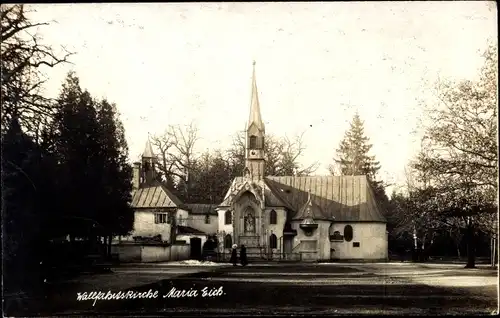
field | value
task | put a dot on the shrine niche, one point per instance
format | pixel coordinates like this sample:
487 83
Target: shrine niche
249 220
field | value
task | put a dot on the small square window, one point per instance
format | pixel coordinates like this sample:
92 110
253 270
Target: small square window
355 244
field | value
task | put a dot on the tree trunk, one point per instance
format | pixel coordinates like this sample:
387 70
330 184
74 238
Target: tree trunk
173 228
471 255
108 253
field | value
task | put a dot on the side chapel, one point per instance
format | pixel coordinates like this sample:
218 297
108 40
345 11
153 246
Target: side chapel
308 218
159 214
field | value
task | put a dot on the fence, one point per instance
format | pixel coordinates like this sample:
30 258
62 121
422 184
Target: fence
150 252
262 257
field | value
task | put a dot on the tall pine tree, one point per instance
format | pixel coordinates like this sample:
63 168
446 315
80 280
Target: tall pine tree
352 154
353 158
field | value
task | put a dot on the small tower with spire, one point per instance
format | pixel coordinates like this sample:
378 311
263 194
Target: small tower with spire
255 133
148 163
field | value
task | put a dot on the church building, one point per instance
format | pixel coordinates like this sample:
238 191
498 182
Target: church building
308 218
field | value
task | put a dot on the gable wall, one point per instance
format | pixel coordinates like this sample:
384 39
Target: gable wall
197 221
372 238
144 225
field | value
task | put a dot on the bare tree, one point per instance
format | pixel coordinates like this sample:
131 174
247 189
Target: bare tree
164 145
176 153
23 58
282 155
292 150
462 157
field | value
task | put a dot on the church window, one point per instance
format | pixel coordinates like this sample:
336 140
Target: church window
146 166
273 218
228 241
273 241
227 217
207 219
160 218
348 233
253 142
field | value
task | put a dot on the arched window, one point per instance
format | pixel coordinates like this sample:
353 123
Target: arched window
273 218
227 217
253 142
273 241
348 233
146 166
207 219
228 241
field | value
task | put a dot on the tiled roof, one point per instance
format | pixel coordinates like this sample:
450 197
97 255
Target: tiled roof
154 195
345 198
198 208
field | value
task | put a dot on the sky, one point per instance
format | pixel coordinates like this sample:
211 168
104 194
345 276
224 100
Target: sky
317 64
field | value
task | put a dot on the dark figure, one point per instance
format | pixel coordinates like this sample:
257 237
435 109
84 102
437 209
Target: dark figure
243 255
234 256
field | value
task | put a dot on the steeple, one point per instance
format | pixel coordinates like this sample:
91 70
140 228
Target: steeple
255 118
148 150
255 133
148 163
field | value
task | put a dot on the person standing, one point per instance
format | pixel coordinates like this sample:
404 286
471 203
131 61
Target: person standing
243 255
234 255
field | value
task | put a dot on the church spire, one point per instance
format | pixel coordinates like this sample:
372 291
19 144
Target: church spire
255 118
255 135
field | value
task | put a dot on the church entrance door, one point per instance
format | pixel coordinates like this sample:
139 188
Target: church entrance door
287 245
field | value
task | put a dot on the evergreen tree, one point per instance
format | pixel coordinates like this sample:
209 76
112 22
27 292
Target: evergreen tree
352 154
79 162
353 159
116 214
95 176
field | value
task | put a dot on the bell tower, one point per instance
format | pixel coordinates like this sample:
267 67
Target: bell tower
255 133
148 164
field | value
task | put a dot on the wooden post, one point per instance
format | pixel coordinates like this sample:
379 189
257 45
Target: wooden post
493 251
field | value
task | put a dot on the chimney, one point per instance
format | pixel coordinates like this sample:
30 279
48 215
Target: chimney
136 176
